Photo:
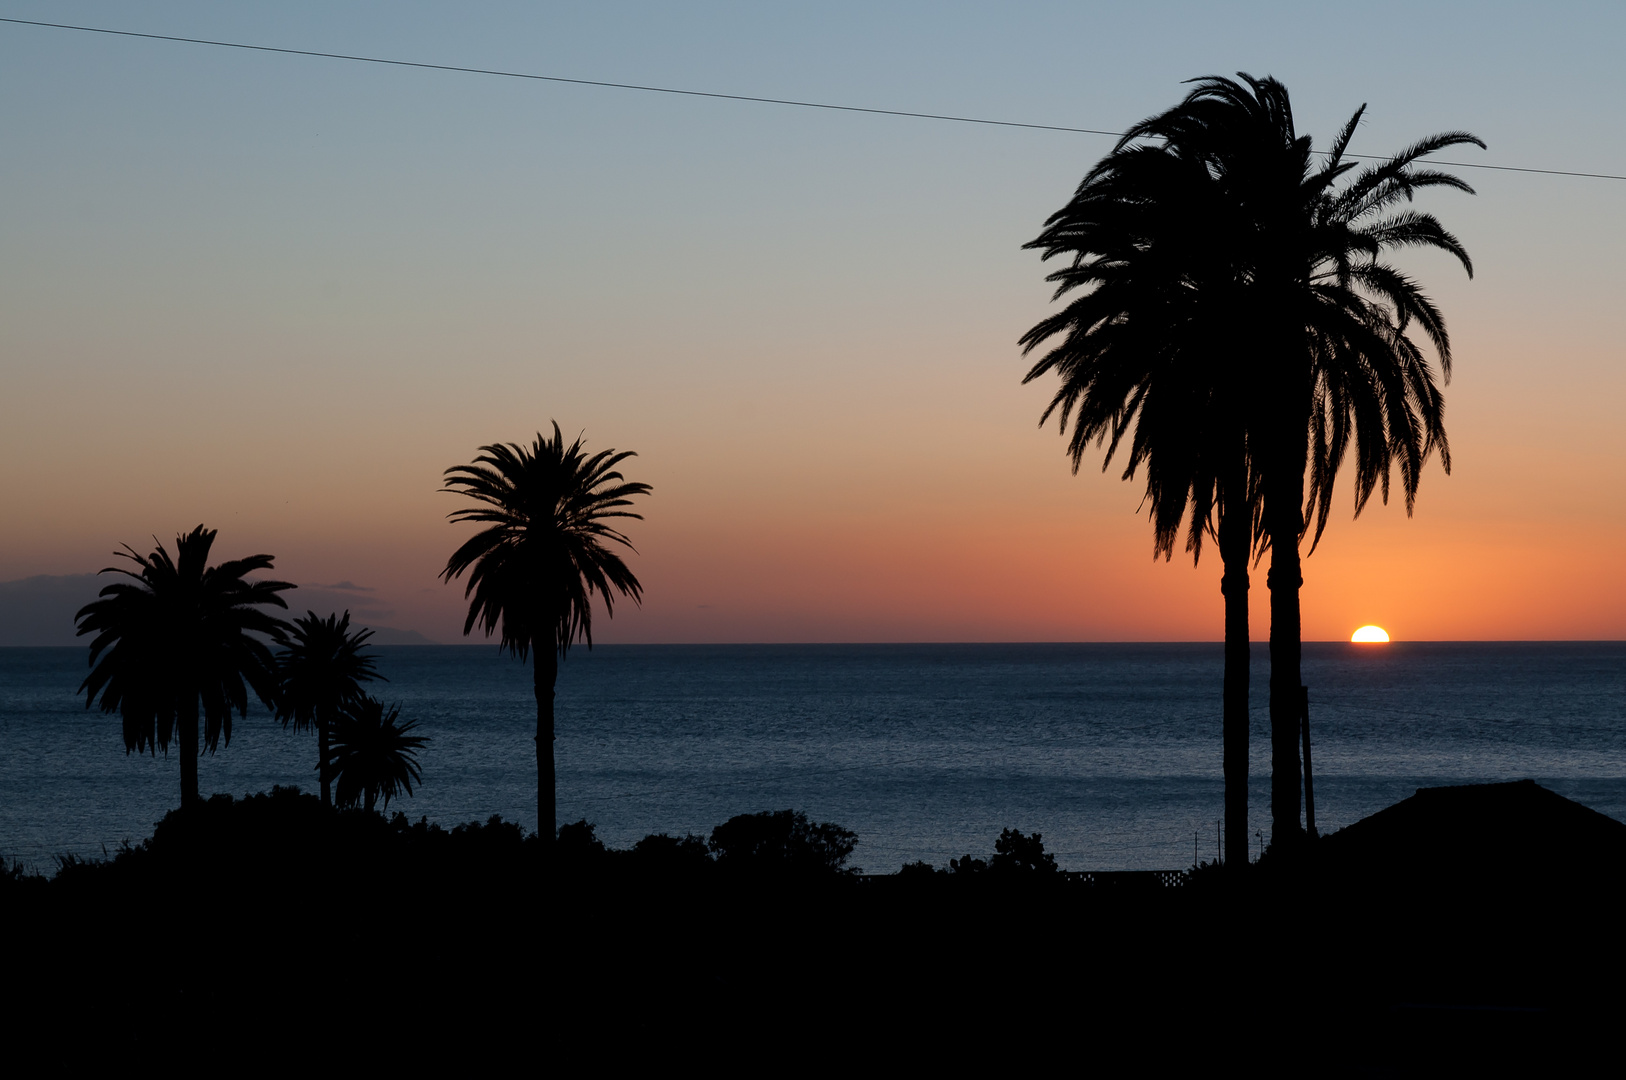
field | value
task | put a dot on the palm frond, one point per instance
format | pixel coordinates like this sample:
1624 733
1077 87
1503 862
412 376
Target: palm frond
533 571
182 638
1226 297
374 755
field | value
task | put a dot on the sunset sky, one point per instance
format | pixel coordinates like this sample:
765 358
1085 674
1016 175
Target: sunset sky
279 295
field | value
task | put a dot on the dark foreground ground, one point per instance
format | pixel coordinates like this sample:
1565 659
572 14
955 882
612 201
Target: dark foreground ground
264 942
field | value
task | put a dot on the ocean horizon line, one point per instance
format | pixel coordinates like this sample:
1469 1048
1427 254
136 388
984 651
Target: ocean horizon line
429 642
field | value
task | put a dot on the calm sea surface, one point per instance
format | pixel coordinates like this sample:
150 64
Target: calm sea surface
1112 752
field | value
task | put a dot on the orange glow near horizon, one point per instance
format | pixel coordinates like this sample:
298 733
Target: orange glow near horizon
287 331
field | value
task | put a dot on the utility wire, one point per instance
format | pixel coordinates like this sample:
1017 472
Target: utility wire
560 78
709 93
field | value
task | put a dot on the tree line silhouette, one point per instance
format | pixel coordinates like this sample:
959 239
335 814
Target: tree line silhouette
182 644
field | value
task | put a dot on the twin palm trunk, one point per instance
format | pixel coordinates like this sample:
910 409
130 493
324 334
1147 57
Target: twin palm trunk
1284 580
1235 541
1284 508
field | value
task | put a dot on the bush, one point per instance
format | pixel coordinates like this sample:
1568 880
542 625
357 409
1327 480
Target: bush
577 844
669 854
782 841
1015 853
14 877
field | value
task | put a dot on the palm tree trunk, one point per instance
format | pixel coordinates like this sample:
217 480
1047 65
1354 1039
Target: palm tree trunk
1285 506
187 721
322 754
545 673
1236 524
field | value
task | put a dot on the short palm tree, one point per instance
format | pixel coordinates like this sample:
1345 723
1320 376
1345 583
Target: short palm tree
1149 347
321 671
539 558
374 754
180 641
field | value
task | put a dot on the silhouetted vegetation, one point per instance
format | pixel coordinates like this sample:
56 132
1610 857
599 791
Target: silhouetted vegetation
185 639
1232 317
672 854
1014 854
1018 854
320 674
374 754
285 834
781 842
657 940
535 566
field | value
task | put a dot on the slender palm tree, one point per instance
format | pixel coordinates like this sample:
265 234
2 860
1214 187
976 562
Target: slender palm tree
541 555
374 754
1150 343
1334 364
321 671
180 640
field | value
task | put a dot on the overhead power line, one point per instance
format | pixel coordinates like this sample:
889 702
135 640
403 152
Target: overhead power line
534 77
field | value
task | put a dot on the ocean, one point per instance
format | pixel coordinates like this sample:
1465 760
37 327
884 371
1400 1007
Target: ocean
1110 751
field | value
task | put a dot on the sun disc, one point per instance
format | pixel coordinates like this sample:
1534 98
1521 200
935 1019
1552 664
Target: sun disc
1370 633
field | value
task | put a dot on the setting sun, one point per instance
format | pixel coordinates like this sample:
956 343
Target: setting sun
1370 633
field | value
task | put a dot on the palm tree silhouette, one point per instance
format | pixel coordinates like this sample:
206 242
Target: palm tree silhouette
1332 364
1236 313
321 672
373 754
535 566
1150 343
182 639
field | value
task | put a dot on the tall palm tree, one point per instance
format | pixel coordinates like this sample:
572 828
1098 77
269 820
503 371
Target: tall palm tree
1332 363
534 567
321 671
180 640
1234 310
374 754
1150 343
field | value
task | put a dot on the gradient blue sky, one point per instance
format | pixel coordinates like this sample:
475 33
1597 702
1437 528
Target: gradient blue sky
279 295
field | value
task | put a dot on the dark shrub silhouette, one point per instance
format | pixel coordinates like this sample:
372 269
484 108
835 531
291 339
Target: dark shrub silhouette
184 639
1018 854
776 841
321 672
534 567
920 868
373 754
283 846
659 852
577 841
16 878
967 865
